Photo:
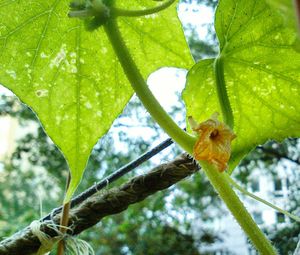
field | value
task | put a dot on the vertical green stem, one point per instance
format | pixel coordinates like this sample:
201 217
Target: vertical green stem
185 141
64 220
140 87
238 210
222 92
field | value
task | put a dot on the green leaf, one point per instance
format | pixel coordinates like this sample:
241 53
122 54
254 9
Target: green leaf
261 74
286 8
70 77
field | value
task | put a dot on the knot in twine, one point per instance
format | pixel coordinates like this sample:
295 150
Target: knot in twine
73 246
47 242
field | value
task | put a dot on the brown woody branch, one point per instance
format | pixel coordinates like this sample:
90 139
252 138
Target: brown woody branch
102 204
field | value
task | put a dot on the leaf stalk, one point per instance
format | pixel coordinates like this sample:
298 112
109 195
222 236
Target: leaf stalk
222 92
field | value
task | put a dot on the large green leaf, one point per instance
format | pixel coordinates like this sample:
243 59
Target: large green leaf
70 77
261 73
287 10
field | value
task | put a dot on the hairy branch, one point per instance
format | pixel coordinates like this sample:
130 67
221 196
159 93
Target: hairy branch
102 204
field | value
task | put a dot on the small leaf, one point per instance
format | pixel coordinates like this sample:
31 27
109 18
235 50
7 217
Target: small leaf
70 77
261 73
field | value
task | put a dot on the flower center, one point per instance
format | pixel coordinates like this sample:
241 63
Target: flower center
214 134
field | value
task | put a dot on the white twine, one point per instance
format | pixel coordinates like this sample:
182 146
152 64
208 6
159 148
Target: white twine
73 246
47 242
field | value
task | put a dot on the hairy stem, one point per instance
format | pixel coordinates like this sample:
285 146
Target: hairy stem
143 92
136 13
236 207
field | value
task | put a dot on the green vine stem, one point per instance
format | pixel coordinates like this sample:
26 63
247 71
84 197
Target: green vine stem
236 207
134 76
222 92
184 140
249 194
136 13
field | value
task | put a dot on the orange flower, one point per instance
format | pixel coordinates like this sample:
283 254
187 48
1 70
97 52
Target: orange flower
213 144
